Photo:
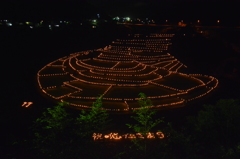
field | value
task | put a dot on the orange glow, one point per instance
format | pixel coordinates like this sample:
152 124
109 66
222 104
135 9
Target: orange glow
26 104
116 136
140 61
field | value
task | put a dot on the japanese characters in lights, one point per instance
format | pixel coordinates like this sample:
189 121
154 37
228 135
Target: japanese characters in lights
117 136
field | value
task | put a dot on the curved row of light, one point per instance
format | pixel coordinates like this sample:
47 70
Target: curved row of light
135 58
143 44
145 56
148 40
119 80
142 48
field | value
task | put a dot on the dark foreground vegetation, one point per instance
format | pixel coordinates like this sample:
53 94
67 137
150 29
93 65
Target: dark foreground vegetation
62 134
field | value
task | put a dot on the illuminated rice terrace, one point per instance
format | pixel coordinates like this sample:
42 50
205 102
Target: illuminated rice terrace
120 72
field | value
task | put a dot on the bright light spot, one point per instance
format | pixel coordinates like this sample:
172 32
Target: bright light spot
56 25
9 24
116 18
166 20
28 23
60 21
198 21
31 27
128 18
94 20
218 21
94 26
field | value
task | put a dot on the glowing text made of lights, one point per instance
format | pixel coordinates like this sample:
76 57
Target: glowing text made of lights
117 136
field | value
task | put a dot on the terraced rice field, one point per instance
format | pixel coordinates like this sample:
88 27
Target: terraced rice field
122 70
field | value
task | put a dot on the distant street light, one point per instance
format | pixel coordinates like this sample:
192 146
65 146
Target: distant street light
128 18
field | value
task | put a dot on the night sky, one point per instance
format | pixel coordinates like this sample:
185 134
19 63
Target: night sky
161 9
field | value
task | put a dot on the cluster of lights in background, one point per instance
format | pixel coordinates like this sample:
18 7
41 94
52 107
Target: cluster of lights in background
126 66
95 22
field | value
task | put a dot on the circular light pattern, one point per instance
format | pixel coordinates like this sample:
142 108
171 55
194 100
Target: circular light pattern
120 72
